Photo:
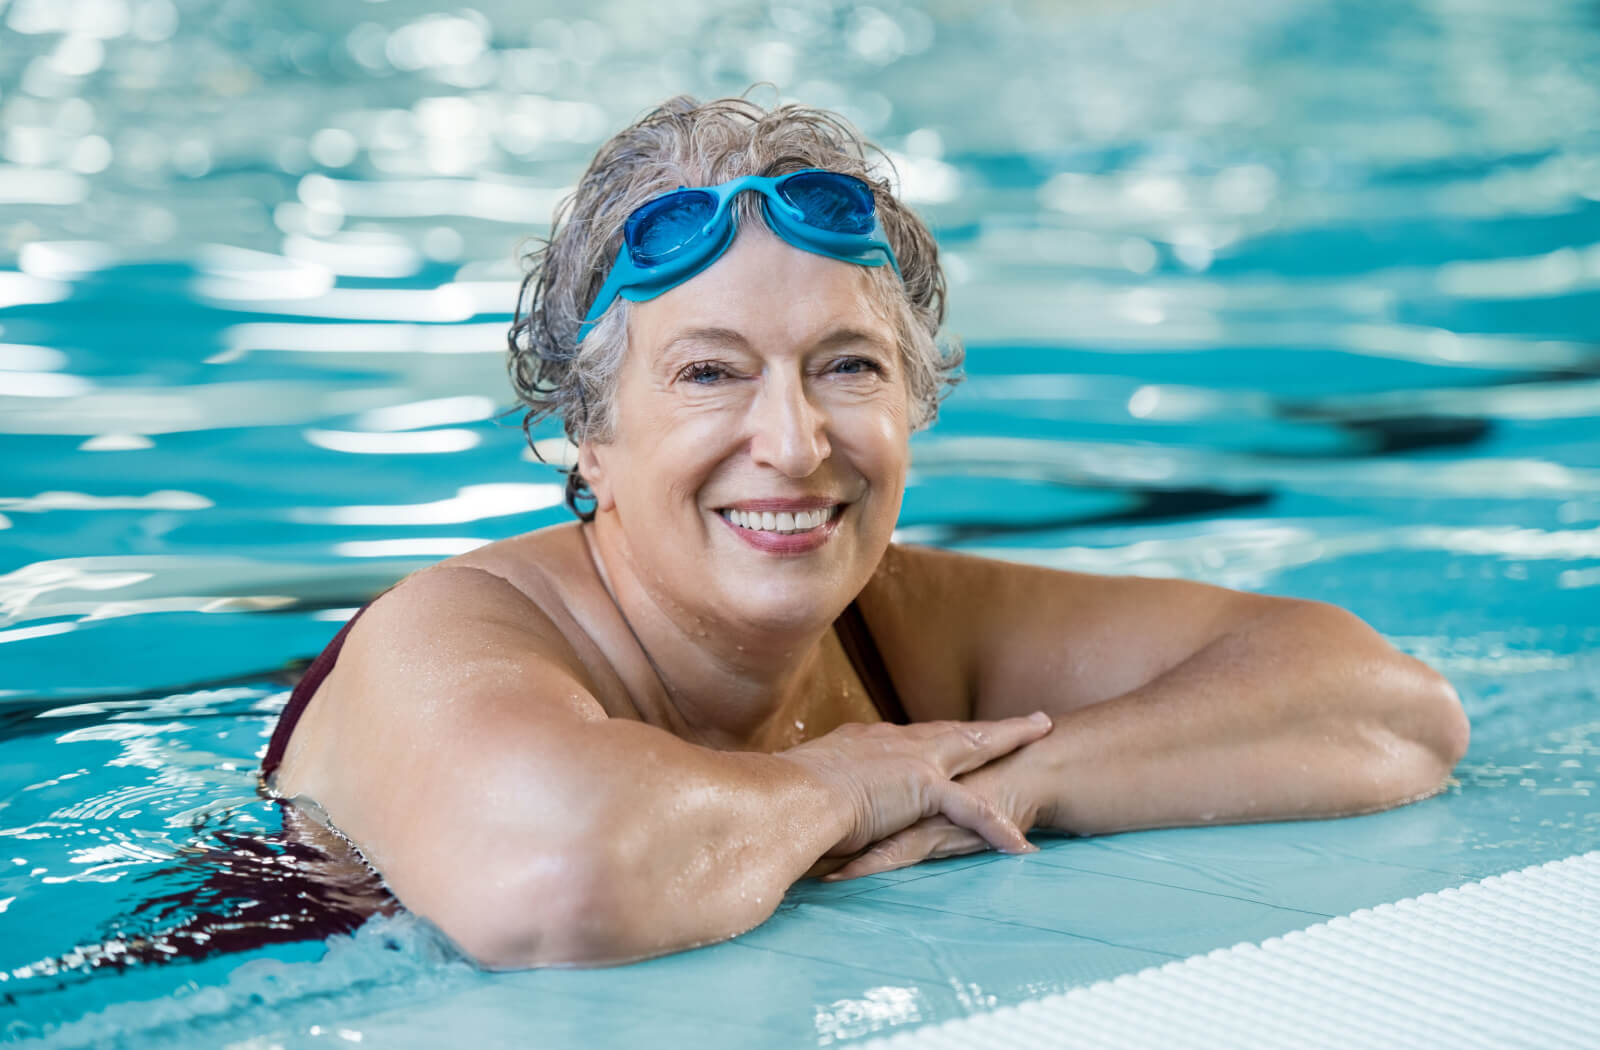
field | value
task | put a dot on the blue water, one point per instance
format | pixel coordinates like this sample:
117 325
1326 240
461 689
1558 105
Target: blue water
1298 297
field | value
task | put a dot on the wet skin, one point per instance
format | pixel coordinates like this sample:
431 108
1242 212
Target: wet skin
598 742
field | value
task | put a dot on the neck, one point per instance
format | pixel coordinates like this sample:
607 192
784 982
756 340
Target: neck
722 683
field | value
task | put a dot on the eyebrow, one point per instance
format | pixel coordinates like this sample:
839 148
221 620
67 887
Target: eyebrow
729 337
845 336
714 336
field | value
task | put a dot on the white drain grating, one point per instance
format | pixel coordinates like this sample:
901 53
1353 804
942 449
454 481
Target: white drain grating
1512 961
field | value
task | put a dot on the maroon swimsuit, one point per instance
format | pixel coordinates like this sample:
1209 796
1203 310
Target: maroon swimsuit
851 627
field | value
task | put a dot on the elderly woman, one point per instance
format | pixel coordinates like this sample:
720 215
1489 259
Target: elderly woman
630 734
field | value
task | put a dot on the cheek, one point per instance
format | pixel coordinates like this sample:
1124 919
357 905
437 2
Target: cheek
875 446
878 429
665 458
892 442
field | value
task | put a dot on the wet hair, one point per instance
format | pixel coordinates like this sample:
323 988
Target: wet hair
685 142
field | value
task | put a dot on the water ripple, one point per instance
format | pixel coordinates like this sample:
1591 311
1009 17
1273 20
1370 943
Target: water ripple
1288 295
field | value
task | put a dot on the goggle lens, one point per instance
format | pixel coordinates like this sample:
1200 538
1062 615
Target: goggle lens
663 226
830 201
668 240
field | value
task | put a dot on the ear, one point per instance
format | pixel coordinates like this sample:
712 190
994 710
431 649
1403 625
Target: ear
591 464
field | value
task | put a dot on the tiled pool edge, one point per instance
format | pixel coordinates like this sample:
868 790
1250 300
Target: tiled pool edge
1511 960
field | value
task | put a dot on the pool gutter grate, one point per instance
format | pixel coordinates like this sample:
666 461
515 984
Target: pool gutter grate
1511 961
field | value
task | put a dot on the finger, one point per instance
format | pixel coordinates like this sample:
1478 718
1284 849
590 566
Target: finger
900 850
904 848
876 860
929 839
824 867
972 811
969 745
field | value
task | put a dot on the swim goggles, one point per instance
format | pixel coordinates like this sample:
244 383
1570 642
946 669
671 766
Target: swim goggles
669 239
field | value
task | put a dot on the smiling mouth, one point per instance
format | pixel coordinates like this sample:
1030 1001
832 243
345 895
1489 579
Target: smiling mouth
782 523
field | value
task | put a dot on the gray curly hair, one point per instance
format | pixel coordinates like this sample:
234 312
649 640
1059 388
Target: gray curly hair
689 143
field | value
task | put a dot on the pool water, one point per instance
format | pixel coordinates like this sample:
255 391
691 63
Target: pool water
1300 297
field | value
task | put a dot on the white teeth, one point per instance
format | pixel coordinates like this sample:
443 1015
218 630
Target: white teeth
783 523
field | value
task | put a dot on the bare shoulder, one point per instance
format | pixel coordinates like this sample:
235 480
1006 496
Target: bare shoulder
969 629
916 606
456 708
453 656
454 622
547 565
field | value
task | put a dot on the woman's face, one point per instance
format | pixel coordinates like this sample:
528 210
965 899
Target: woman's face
760 446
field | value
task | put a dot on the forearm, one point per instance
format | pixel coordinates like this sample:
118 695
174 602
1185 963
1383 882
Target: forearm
1304 712
705 845
620 842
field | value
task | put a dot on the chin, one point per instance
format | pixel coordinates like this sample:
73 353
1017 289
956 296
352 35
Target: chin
783 607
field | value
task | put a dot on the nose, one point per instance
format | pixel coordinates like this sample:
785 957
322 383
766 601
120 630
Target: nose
789 429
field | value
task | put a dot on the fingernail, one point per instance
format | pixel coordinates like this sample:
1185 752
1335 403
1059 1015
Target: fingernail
1040 718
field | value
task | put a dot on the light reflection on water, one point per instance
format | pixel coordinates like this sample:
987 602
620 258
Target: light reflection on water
1296 296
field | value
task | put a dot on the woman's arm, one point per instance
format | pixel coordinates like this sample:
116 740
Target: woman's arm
458 744
1298 711
1174 702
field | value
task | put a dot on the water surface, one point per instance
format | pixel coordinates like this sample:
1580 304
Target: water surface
1298 297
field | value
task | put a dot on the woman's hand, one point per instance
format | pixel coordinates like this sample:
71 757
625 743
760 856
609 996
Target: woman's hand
890 778
1005 784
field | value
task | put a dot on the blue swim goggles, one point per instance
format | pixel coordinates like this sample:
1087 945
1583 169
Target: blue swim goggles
669 239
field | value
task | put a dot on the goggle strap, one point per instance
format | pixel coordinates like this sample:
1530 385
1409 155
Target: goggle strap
608 292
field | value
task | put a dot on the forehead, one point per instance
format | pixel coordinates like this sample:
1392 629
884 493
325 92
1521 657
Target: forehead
770 292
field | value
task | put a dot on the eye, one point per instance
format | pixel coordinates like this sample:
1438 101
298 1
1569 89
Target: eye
851 366
703 373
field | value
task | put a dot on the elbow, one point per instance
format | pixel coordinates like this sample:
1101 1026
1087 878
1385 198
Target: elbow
591 908
1452 732
1415 728
519 911
1429 735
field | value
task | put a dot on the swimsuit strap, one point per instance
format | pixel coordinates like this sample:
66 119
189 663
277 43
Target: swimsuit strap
304 690
851 626
859 646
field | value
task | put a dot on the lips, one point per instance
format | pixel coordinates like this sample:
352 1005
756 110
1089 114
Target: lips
783 526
